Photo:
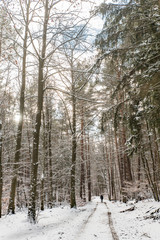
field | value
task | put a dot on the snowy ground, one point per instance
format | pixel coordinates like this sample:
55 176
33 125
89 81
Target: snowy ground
137 224
90 222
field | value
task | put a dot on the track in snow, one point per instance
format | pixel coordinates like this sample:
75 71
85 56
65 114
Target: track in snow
90 222
97 225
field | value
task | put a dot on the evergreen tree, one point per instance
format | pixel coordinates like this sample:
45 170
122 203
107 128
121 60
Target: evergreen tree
130 41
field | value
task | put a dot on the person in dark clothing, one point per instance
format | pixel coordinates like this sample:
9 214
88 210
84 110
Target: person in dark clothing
101 197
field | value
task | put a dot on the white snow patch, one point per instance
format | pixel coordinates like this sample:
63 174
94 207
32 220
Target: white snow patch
132 225
89 222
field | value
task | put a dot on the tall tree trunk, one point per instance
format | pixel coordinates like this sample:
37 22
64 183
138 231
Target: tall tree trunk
73 167
44 161
154 166
106 156
113 167
49 127
1 171
125 161
110 164
42 192
148 175
88 165
157 155
118 163
74 146
121 166
36 134
50 169
146 165
1 35
1 175
82 178
139 170
11 206
127 164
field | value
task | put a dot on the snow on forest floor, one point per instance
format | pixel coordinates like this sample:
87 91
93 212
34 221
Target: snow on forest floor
136 224
90 222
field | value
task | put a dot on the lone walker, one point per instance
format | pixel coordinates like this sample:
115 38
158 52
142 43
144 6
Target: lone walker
101 197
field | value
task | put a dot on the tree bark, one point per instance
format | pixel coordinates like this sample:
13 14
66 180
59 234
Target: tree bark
154 166
49 127
11 206
1 35
74 145
139 170
42 192
36 134
82 180
1 174
113 167
157 155
127 164
88 166
1 170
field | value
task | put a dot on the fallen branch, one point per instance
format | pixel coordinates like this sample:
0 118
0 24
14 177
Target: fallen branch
128 210
154 215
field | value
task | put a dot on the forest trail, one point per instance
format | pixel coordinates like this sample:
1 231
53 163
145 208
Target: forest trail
93 221
90 222
97 226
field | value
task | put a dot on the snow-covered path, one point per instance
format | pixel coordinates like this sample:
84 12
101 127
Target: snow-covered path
97 225
94 221
88 223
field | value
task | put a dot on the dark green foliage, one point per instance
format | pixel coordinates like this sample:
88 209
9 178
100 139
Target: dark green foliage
130 41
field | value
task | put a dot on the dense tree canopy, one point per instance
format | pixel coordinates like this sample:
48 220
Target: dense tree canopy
129 44
78 119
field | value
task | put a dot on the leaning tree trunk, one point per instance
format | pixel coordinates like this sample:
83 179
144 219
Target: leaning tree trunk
11 206
36 134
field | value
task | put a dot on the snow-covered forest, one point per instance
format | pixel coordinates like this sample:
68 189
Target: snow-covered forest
80 117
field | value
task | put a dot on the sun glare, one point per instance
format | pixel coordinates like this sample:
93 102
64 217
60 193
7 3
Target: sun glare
17 117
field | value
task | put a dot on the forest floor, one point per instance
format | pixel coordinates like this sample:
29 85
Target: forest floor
94 221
